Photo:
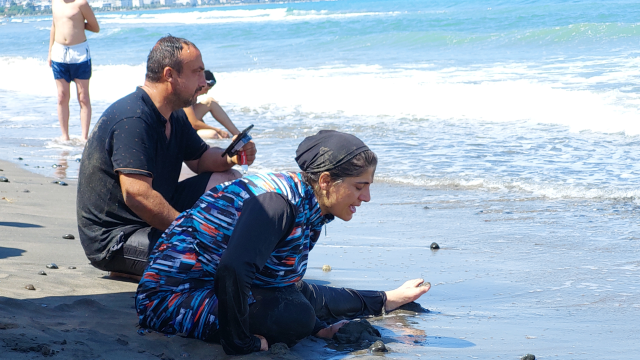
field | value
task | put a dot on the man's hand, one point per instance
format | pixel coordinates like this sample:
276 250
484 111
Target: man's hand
49 59
249 151
264 345
328 332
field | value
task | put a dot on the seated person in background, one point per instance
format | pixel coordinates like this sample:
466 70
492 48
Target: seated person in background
231 268
196 113
128 188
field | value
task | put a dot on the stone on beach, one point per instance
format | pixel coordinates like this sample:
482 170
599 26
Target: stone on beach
68 236
528 357
30 287
356 332
434 246
326 268
4 179
41 272
378 347
52 266
279 349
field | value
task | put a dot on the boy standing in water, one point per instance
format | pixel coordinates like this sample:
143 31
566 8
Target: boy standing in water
70 60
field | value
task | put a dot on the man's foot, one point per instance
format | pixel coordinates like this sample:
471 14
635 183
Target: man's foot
408 292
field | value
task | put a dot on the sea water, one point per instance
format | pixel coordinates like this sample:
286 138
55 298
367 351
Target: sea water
519 118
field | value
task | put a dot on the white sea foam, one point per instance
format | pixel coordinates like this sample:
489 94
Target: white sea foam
547 190
495 94
231 16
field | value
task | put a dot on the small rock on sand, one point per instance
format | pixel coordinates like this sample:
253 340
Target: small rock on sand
68 236
72 267
378 347
52 266
41 272
326 268
279 349
60 182
3 179
528 357
357 331
434 246
30 287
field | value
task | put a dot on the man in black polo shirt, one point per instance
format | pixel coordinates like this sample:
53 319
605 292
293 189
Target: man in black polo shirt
128 189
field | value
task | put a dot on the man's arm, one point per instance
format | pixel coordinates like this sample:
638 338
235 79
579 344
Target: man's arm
91 23
52 38
147 203
213 161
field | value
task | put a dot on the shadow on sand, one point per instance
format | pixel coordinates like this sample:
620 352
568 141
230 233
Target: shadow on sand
19 224
10 252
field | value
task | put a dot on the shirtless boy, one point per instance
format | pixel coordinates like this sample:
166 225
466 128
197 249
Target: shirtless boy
196 113
70 59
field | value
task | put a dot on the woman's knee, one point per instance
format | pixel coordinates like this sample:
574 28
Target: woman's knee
281 316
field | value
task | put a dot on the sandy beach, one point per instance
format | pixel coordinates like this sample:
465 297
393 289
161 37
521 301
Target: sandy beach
509 279
77 311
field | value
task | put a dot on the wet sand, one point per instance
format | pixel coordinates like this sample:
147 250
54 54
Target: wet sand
511 277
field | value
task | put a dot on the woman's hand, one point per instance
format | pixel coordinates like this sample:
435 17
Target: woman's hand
264 345
328 332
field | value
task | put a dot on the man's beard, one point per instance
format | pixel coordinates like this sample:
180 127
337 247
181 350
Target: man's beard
182 101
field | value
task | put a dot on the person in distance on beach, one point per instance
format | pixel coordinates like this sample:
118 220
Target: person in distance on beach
128 189
70 59
197 112
231 268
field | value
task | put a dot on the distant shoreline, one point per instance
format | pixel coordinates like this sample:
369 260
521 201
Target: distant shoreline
99 10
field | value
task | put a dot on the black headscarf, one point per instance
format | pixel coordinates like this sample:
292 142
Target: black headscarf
327 150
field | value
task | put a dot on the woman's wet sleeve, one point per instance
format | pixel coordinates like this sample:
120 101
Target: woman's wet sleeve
264 221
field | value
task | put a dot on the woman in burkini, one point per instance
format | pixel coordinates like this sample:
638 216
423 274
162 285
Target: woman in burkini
230 269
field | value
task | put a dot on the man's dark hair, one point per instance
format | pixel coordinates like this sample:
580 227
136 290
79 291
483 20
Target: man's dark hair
165 53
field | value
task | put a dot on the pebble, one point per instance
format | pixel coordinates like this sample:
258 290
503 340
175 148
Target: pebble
25 191
434 246
3 179
326 268
279 349
30 287
68 236
60 182
78 160
52 266
72 267
55 166
378 347
426 208
41 272
20 158
528 357
1 170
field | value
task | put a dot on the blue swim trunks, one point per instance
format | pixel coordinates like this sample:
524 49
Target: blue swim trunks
71 62
69 72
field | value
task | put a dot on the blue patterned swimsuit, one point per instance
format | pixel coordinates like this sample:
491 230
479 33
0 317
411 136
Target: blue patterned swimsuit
177 293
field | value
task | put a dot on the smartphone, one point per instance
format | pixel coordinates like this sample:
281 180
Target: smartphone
239 142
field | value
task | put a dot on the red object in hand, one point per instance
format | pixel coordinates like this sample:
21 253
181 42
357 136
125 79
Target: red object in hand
242 158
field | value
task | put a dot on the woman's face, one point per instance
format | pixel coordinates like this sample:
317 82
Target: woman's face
342 198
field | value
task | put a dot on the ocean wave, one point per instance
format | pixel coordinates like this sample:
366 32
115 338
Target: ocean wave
231 16
497 93
532 189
